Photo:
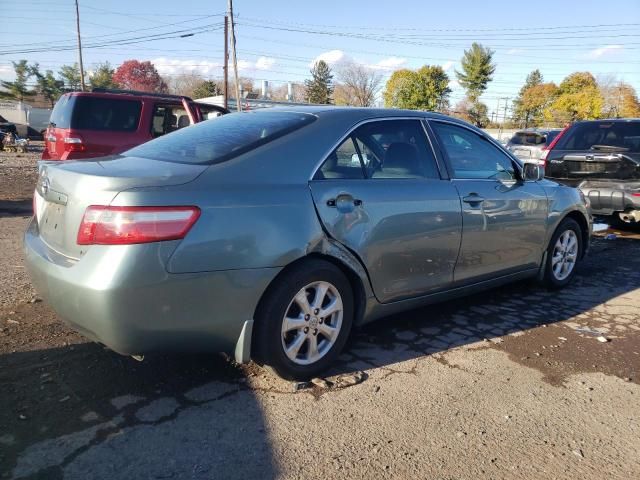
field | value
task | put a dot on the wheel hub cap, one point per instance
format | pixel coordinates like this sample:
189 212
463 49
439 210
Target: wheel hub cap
565 255
312 323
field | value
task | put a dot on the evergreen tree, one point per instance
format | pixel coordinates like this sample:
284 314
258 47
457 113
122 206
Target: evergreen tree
70 75
49 86
477 70
18 89
320 87
206 88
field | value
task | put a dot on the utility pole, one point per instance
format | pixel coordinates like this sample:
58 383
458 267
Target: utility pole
506 103
235 58
80 47
226 62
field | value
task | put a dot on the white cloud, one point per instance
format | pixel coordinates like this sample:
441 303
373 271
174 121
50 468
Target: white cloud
446 66
599 52
169 66
332 57
265 63
513 51
390 63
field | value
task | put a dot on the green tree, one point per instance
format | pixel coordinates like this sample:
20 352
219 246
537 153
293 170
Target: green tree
49 86
578 99
320 86
206 88
472 111
477 70
102 76
424 89
18 89
521 113
70 75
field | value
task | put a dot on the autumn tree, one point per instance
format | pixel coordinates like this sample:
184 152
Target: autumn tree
524 112
70 75
424 89
477 70
578 99
102 76
298 93
18 89
319 88
474 112
142 76
359 84
206 88
619 98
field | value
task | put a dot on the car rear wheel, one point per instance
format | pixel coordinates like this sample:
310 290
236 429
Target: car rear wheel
304 320
563 254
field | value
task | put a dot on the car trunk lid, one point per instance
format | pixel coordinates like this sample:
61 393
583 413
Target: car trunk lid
64 191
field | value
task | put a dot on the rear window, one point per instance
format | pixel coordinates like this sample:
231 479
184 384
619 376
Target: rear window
527 138
61 114
215 141
551 137
605 136
92 113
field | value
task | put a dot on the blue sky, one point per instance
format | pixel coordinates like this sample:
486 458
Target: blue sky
278 40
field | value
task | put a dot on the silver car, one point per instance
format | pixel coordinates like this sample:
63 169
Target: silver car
532 144
267 235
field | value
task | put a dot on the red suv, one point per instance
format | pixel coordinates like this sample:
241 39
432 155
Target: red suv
106 122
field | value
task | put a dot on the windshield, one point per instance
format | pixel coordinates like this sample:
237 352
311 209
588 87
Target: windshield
611 136
218 140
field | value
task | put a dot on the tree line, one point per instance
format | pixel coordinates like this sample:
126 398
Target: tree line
580 96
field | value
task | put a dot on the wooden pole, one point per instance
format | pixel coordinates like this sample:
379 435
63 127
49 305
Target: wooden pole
226 62
235 59
82 85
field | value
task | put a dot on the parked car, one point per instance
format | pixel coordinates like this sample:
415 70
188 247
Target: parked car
602 157
258 234
107 122
530 145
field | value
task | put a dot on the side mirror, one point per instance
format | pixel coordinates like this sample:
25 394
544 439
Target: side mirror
532 172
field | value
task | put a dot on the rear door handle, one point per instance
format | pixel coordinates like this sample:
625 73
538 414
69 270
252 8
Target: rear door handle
473 198
344 200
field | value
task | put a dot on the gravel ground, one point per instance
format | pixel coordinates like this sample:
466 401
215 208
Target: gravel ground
511 383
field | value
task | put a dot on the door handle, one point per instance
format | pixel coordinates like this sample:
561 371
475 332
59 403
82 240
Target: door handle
343 200
473 198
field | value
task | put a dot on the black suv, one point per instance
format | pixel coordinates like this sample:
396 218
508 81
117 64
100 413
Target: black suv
602 158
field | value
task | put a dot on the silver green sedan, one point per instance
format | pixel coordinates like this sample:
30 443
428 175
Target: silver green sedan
271 234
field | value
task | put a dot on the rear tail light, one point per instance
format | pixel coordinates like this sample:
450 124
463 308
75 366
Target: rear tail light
74 144
102 225
546 150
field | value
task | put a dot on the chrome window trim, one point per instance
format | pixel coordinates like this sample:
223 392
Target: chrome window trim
417 118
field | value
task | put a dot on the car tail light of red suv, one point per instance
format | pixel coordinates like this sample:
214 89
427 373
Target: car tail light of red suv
548 148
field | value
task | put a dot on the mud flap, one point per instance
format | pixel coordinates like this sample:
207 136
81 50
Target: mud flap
242 353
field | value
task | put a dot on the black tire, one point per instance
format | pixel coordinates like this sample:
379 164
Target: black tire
550 280
267 339
617 223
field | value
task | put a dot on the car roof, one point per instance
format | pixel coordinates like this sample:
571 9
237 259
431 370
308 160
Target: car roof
129 95
364 113
609 120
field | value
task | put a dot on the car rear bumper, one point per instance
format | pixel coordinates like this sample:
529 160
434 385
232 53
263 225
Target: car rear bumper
608 197
123 297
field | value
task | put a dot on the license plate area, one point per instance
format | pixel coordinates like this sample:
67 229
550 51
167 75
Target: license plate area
51 222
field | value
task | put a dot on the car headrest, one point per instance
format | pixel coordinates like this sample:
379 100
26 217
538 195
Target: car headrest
402 156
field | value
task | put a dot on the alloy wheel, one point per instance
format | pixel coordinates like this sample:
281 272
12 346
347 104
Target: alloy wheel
565 255
312 323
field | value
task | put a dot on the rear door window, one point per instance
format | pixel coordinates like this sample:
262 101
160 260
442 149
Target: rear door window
168 118
219 140
602 136
94 113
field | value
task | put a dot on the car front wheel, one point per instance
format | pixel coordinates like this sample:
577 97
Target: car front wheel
304 320
563 254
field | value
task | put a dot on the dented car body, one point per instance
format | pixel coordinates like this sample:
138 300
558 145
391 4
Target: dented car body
297 185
